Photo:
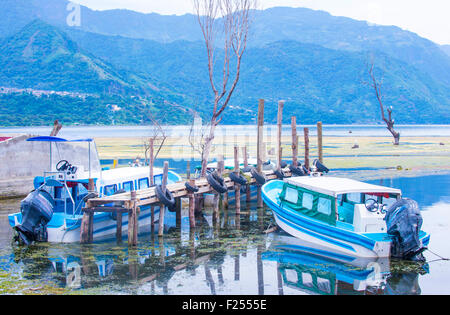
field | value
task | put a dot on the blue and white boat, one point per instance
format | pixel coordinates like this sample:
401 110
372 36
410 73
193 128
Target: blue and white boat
53 211
347 217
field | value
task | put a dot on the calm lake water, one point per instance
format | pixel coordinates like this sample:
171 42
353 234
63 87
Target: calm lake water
238 259
230 131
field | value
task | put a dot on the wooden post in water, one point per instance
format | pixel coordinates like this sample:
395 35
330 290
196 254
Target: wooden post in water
191 198
119 227
306 132
216 216
132 220
280 127
260 146
248 192
162 207
87 222
237 187
152 182
91 188
294 141
320 141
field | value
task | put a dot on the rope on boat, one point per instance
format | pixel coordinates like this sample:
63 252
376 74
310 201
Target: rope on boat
439 256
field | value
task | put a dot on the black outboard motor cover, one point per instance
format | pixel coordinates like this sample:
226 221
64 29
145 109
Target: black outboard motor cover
404 221
37 211
320 167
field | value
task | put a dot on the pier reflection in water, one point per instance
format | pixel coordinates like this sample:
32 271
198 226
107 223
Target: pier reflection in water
237 258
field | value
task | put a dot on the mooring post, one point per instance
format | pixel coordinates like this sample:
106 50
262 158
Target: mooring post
279 135
260 146
162 207
119 227
320 141
191 198
294 141
87 222
306 132
237 187
248 192
216 216
132 220
152 181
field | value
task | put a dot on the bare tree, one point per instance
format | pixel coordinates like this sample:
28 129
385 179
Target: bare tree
376 85
229 22
158 135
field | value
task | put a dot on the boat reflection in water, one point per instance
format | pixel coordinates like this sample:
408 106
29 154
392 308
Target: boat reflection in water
212 262
313 271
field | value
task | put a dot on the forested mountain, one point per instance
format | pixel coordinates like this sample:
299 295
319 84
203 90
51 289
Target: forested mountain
150 63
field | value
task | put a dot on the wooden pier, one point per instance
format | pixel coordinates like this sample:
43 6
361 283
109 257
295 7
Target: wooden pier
130 203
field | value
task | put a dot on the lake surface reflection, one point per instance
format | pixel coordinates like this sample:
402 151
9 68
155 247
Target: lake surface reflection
238 258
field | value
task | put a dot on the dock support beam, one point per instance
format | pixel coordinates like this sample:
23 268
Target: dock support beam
87 222
320 141
132 221
294 141
162 207
280 129
119 227
306 132
152 182
191 197
260 147
237 187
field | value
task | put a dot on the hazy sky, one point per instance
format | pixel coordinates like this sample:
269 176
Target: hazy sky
428 18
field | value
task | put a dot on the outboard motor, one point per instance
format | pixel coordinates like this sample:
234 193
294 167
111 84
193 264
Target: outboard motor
37 211
404 221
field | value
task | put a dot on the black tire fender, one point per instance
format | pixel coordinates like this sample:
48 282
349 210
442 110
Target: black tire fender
260 178
280 174
238 179
192 189
297 171
217 185
166 199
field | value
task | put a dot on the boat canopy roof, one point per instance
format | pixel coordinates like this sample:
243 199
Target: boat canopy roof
335 186
57 139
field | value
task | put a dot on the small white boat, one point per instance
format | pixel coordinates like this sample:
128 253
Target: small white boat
53 211
346 216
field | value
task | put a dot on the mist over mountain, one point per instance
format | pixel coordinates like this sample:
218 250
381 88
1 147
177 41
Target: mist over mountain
313 60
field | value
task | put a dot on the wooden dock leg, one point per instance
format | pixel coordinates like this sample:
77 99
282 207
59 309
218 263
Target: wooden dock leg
280 129
178 207
191 198
320 141
260 146
294 141
132 221
152 182
163 208
119 227
216 212
237 187
85 231
247 192
191 211
306 132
